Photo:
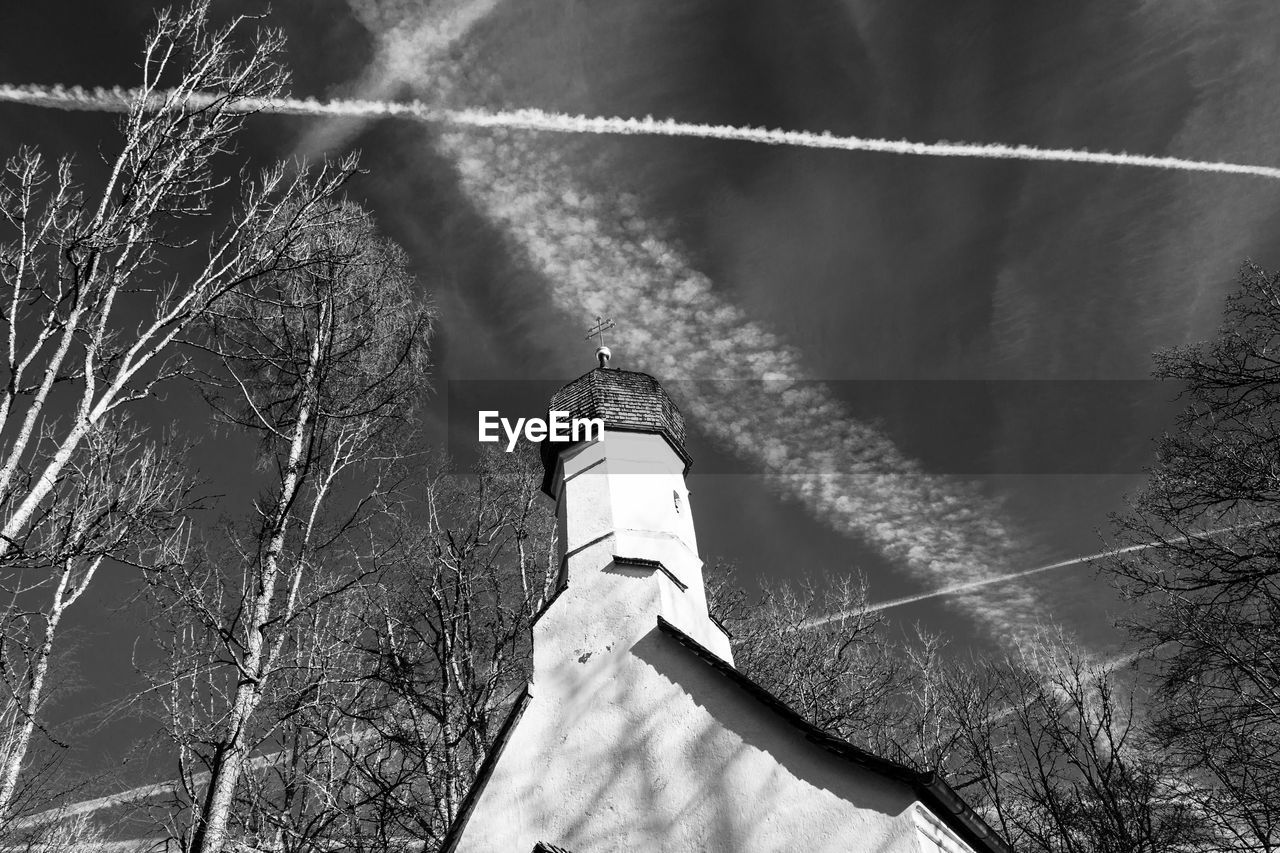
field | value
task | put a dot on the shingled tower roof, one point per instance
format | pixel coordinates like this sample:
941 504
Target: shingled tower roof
626 401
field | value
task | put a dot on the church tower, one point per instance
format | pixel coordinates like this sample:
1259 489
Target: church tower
636 733
630 553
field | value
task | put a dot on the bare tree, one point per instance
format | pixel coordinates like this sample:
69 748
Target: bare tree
421 667
66 834
841 675
453 629
901 698
1061 762
72 264
121 499
90 322
1045 744
1210 588
385 699
303 791
325 362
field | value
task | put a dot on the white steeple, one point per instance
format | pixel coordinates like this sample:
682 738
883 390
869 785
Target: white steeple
636 732
630 553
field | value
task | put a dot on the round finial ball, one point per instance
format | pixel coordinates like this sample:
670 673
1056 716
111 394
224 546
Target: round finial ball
604 354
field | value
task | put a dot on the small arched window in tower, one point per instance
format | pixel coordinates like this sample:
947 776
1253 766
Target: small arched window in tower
675 498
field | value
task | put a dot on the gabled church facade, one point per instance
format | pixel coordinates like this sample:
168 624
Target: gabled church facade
636 732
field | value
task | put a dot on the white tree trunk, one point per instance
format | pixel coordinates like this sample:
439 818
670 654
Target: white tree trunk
13 759
229 762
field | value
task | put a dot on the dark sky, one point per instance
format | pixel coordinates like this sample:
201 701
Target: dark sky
971 336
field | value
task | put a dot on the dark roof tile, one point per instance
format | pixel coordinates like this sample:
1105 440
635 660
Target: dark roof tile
626 401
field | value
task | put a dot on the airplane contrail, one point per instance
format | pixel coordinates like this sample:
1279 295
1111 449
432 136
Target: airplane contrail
994 579
159 789
121 100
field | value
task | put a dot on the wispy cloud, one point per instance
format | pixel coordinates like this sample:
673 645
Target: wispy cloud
601 254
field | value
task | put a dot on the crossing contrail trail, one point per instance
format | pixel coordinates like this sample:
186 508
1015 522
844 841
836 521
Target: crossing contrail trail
120 100
598 252
988 581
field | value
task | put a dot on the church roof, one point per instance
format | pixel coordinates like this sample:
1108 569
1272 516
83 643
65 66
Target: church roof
930 789
625 400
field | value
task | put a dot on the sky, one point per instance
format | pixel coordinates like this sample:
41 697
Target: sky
927 370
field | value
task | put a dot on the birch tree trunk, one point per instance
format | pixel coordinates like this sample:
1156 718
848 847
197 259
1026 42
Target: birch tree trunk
20 738
86 333
325 363
225 772
123 500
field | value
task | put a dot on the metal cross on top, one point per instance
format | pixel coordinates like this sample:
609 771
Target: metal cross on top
597 331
